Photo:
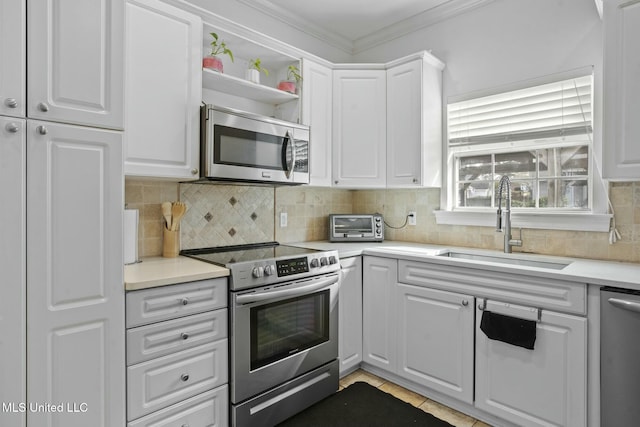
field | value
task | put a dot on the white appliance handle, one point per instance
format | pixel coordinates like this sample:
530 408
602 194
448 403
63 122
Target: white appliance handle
292 292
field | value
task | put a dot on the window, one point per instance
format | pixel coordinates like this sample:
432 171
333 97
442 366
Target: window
539 136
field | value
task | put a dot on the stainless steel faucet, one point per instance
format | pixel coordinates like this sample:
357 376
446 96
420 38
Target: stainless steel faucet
508 241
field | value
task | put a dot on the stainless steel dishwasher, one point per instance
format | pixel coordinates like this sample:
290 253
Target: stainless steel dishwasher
619 357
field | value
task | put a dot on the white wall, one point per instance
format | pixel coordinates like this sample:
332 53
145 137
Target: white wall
506 41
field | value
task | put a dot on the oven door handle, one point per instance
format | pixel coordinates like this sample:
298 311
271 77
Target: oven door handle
302 290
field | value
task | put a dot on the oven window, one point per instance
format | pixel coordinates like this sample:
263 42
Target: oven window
353 225
288 327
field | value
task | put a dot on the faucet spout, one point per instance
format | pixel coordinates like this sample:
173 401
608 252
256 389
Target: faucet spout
505 183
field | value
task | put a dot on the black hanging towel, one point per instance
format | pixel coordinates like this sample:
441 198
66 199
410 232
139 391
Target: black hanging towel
512 330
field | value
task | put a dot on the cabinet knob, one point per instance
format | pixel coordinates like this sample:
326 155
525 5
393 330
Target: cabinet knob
11 102
42 130
184 301
335 182
12 128
465 303
184 335
184 377
415 180
43 107
195 171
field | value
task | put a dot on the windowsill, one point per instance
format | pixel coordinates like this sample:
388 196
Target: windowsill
572 221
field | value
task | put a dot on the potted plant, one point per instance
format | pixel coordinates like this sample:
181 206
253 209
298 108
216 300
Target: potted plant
255 68
217 47
293 79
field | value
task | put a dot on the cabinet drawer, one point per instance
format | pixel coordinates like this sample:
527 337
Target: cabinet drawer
169 379
536 291
159 339
207 409
170 302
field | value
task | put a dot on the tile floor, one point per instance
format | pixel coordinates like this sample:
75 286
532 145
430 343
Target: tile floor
451 416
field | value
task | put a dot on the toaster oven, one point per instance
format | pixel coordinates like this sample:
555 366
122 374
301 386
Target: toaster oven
356 228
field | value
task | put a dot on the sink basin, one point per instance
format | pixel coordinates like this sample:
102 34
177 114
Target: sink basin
506 260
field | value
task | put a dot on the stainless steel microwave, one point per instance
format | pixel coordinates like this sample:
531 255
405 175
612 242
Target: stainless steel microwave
356 228
241 146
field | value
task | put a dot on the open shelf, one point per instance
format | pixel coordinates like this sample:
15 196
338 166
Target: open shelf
240 87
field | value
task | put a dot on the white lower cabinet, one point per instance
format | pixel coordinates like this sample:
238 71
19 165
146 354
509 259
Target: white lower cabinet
435 339
350 315
420 325
545 386
177 355
379 322
75 293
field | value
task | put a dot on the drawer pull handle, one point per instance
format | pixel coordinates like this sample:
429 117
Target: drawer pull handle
185 301
465 303
184 377
184 335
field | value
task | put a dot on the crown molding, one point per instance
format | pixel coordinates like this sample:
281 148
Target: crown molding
424 19
417 22
293 20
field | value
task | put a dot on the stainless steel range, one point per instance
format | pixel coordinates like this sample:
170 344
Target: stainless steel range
283 328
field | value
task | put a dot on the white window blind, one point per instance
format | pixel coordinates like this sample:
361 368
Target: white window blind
556 109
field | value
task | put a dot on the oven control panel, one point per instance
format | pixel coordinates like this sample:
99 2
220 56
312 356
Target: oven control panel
279 269
288 267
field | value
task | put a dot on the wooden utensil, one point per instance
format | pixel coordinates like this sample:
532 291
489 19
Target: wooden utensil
178 210
166 213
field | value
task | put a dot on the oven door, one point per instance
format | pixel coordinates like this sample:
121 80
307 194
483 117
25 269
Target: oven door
281 331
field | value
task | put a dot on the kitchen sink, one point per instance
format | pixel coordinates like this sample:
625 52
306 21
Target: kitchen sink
508 259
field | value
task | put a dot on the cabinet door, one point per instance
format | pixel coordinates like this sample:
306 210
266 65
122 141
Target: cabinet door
317 108
75 51
404 124
379 276
621 151
541 387
359 128
350 315
75 292
435 340
13 51
163 90
414 125
13 268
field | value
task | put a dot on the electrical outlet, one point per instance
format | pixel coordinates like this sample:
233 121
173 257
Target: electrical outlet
283 219
412 218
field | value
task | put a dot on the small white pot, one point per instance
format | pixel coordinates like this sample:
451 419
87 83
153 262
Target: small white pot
253 75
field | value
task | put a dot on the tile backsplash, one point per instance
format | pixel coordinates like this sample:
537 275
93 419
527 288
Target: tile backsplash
221 215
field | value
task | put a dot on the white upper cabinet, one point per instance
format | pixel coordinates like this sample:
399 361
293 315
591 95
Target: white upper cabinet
75 292
414 123
387 124
75 57
13 51
317 109
359 128
163 90
621 147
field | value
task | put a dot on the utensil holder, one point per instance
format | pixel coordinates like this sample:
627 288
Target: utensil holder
170 243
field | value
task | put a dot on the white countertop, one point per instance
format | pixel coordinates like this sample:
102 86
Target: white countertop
159 271
603 273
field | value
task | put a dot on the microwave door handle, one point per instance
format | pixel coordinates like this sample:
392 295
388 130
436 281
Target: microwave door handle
302 290
288 145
